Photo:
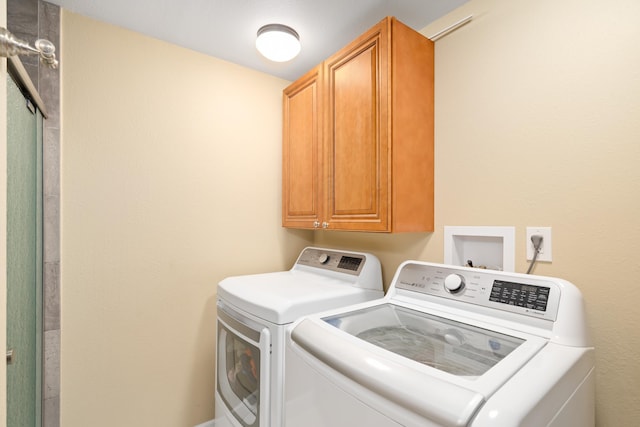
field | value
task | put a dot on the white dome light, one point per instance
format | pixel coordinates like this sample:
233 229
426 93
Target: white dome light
278 42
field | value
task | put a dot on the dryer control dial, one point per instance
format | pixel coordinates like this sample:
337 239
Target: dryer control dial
323 258
454 283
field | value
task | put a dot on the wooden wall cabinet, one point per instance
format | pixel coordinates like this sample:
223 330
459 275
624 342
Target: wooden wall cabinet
358 137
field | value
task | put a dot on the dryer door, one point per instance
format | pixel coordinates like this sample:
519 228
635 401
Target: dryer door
242 368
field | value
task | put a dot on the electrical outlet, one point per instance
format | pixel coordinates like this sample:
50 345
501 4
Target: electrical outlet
544 254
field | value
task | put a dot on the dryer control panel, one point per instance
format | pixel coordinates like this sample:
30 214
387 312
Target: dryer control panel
343 262
358 269
532 296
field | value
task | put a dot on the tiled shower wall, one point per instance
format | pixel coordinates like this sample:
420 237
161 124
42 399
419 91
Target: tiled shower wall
31 20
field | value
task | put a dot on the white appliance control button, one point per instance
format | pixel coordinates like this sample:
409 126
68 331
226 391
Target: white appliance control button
454 283
323 258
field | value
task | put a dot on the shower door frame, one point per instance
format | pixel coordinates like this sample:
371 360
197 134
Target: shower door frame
49 412
30 21
17 389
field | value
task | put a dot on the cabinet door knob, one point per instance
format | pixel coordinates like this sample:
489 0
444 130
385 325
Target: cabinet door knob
325 224
316 224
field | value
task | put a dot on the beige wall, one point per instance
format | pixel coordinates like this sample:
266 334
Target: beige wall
170 182
538 124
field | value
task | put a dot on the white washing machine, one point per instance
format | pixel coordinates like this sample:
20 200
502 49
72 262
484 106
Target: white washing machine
447 346
255 310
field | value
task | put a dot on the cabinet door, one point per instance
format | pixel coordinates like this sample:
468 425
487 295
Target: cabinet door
301 149
357 134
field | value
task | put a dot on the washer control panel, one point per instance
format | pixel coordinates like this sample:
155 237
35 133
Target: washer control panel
342 262
530 296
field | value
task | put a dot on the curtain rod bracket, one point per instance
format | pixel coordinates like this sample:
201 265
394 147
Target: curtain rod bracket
10 45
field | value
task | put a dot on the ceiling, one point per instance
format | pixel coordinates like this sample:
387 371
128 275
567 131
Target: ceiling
227 29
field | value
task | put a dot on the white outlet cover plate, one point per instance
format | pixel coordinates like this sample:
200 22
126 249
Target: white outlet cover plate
545 249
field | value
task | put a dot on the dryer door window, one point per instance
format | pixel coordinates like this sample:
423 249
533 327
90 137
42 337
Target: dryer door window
239 368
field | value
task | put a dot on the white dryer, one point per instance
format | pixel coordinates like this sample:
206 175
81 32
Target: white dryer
253 313
447 346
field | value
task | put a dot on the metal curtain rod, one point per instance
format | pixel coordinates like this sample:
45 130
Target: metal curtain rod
450 28
10 45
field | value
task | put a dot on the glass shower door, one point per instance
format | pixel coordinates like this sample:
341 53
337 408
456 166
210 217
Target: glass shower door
24 260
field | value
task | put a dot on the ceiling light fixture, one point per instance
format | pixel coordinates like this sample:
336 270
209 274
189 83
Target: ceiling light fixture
278 42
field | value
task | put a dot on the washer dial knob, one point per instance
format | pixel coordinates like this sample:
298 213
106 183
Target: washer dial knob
454 283
323 258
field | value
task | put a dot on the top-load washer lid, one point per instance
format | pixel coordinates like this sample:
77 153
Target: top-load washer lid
460 349
321 279
440 368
